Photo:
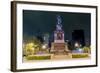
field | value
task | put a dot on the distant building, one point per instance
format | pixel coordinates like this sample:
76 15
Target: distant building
78 36
46 38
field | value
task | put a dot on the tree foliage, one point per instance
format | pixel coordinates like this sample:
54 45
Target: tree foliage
31 45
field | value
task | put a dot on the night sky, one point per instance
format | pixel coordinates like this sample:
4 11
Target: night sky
41 22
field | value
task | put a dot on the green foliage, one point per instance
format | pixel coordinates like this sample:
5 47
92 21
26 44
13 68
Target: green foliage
86 49
33 57
32 45
80 55
32 39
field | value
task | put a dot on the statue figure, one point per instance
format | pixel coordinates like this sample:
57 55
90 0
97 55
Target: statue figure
59 26
58 19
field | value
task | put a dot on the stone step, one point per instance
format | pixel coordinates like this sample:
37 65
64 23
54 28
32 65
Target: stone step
61 57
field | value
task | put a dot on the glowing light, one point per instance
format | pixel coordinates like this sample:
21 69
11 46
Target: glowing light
30 44
44 46
77 44
80 50
32 48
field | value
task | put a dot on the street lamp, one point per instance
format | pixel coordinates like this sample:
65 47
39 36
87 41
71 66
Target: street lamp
44 46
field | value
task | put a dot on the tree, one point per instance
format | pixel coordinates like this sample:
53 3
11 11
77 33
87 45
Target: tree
86 49
32 45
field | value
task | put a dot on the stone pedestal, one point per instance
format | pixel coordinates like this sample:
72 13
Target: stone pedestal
59 48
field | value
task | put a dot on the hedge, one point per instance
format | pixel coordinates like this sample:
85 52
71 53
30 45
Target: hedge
80 55
34 57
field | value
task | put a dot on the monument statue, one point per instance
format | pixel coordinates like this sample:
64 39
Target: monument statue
59 26
59 45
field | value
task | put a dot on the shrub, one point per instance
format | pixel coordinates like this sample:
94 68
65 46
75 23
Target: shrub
35 57
80 55
86 49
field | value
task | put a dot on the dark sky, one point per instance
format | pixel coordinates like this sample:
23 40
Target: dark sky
35 22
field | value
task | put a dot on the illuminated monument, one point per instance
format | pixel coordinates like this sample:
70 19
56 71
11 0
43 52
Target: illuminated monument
59 46
59 33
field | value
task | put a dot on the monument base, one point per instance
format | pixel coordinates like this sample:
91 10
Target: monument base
59 48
